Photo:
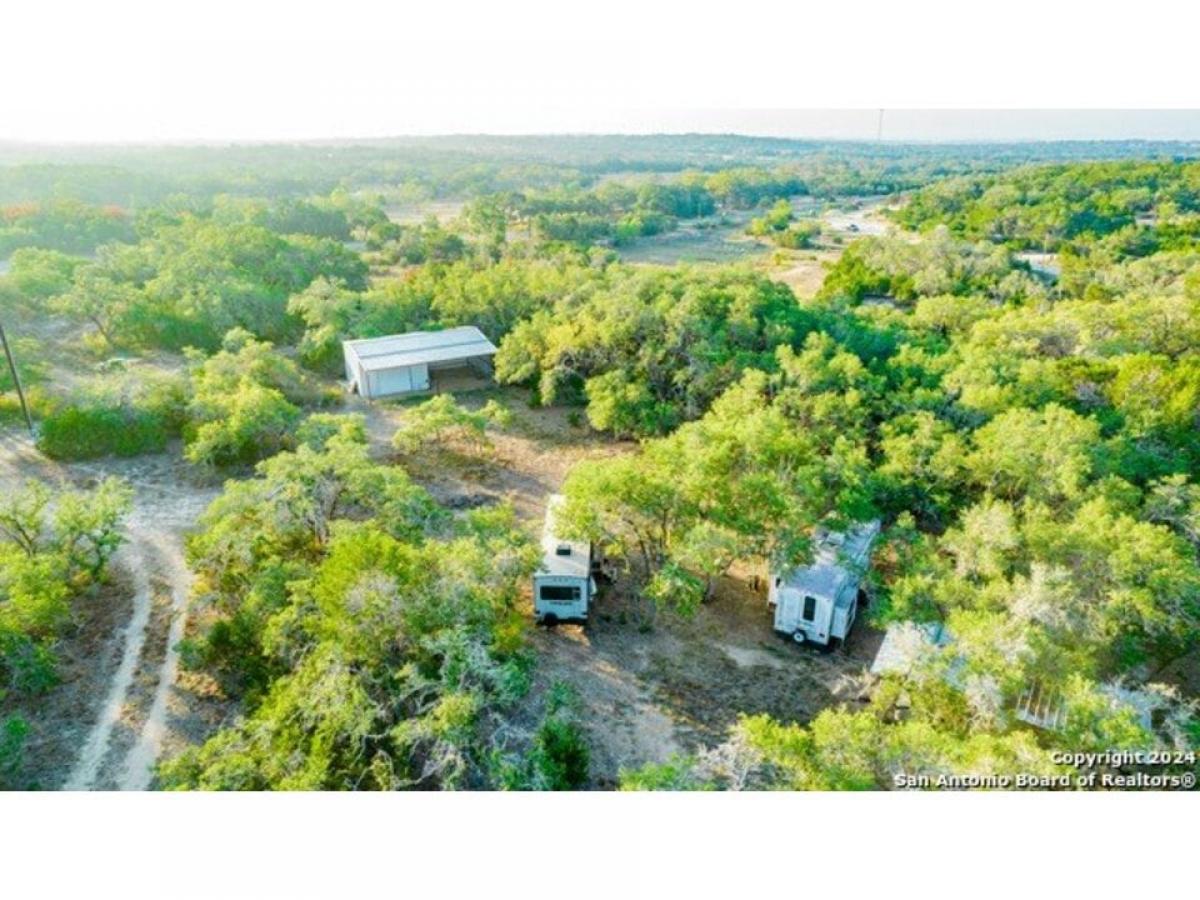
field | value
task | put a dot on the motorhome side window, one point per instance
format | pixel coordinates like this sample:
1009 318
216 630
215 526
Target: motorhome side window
810 608
554 592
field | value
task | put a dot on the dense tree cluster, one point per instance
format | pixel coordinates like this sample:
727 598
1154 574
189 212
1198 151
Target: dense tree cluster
1035 455
64 225
618 212
372 639
903 270
427 241
1046 207
190 280
245 403
649 350
337 216
493 297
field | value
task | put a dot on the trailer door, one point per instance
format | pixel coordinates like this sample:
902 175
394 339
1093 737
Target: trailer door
787 612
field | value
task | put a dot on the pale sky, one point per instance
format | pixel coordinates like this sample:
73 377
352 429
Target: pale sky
135 70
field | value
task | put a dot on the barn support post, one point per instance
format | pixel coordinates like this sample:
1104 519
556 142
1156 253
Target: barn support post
12 367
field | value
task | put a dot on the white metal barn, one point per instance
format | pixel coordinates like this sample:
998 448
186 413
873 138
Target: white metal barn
401 363
562 585
818 602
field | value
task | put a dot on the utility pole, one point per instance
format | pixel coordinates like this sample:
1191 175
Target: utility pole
879 129
12 367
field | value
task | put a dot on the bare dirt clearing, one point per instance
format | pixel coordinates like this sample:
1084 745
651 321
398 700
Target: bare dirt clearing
716 241
167 504
417 212
861 216
680 685
528 461
803 271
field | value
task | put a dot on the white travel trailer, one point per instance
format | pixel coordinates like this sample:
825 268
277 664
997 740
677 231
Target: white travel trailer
562 586
817 603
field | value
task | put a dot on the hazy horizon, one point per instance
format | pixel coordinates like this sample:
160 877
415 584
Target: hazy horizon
899 126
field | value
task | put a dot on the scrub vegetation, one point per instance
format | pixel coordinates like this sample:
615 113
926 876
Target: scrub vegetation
1007 376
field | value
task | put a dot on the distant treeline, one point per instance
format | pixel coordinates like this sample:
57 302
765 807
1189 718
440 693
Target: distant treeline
1145 207
469 165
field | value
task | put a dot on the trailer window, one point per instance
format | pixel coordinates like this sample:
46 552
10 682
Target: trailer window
810 608
559 594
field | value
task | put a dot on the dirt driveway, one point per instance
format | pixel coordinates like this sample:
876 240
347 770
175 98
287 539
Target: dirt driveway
649 692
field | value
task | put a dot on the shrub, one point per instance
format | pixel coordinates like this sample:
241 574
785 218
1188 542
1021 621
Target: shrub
13 732
52 547
87 432
123 413
245 403
252 423
441 418
560 752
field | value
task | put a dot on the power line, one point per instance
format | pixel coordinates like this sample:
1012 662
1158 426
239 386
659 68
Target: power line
12 367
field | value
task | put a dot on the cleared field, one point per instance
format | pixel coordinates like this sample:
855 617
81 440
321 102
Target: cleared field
804 271
413 213
720 243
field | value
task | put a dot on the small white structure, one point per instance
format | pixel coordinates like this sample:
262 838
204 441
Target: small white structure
817 603
401 363
562 585
905 644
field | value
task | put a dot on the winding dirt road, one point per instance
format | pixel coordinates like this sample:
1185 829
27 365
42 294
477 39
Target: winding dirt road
125 739
138 768
95 748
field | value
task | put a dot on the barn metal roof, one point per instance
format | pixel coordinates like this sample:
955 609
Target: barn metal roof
576 561
417 347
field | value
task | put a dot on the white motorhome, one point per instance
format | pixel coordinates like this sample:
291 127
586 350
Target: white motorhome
562 585
817 603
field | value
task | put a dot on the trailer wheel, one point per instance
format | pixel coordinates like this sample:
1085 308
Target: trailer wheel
549 620
799 637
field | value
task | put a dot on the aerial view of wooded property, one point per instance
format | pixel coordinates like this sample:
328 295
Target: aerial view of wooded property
661 462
